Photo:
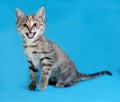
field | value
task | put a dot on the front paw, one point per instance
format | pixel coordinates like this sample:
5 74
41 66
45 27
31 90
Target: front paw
43 84
31 86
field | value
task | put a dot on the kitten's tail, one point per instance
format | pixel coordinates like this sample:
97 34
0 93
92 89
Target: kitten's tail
84 77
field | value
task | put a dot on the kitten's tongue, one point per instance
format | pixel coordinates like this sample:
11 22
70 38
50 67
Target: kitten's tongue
30 35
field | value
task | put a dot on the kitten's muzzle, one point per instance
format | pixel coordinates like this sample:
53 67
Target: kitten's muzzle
30 35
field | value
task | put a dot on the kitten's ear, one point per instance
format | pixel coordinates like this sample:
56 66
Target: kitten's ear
19 14
41 13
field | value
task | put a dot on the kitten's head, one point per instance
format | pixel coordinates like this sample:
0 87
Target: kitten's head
30 27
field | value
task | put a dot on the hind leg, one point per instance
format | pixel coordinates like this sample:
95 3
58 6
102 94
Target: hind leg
60 84
67 81
67 77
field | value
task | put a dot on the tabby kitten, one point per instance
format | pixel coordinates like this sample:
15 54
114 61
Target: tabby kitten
42 54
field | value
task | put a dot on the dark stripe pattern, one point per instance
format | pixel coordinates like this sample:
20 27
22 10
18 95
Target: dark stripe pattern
31 67
49 64
44 58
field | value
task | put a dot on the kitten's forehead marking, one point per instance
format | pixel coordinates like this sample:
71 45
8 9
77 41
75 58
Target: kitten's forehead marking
29 17
30 21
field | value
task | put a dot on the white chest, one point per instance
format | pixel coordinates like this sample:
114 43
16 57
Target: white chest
35 58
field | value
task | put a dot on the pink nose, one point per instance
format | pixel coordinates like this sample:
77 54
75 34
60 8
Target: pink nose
30 28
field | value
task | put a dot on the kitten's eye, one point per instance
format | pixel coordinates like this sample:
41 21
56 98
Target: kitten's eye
25 25
35 24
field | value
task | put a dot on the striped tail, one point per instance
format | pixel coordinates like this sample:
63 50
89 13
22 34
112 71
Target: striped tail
91 76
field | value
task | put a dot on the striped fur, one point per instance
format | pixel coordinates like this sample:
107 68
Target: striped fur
46 56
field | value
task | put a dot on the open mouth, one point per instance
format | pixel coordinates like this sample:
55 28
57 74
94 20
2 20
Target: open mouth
30 35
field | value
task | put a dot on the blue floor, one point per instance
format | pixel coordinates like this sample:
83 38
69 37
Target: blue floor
87 30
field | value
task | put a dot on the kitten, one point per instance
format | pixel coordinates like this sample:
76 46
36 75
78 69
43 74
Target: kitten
44 55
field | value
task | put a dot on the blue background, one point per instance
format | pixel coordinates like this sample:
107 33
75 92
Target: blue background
87 30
